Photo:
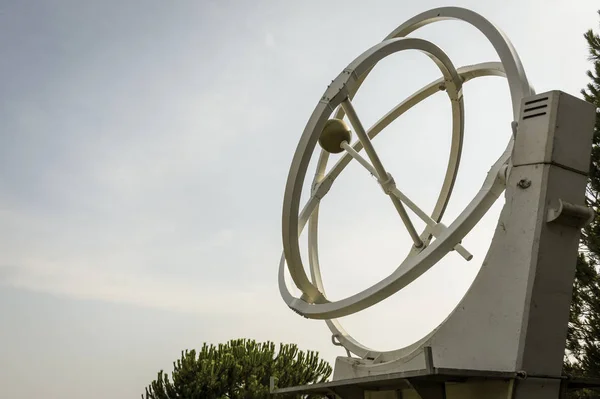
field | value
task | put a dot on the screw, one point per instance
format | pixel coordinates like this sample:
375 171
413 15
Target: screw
524 183
522 375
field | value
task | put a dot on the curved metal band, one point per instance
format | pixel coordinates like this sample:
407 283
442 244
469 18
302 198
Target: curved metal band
335 94
466 73
414 266
517 80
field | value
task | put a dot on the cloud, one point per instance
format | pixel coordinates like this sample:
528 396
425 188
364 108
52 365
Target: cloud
269 40
88 280
146 260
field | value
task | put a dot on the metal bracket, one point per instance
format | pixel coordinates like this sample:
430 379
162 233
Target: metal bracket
387 185
428 353
428 389
321 188
350 392
336 342
572 215
340 86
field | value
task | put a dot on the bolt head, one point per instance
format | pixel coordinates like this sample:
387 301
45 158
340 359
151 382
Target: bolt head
524 183
334 133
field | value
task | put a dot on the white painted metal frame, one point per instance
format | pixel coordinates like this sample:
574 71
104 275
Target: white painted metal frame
313 303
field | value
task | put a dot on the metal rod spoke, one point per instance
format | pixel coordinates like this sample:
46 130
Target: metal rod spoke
361 133
380 171
435 228
350 150
413 207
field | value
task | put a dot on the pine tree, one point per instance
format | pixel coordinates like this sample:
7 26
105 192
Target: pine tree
583 342
239 369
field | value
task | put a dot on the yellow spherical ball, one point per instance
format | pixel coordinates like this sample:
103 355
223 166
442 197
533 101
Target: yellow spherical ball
334 133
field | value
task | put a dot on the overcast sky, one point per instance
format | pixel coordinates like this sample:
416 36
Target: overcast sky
144 147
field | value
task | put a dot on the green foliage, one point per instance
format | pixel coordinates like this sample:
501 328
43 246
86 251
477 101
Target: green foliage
239 369
583 341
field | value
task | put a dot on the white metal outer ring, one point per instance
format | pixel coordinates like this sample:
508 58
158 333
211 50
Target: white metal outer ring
413 266
466 74
335 94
